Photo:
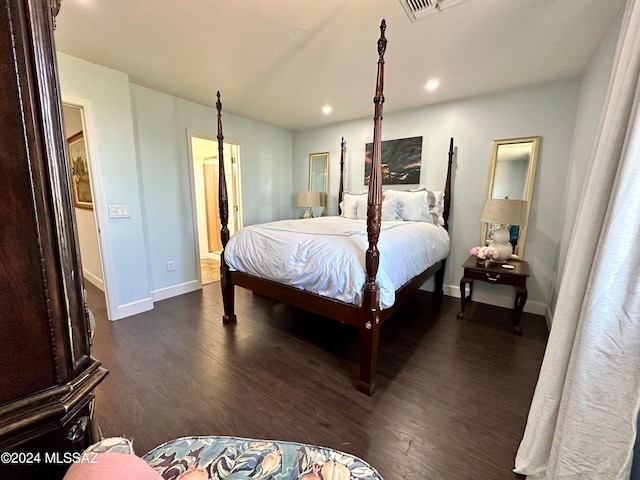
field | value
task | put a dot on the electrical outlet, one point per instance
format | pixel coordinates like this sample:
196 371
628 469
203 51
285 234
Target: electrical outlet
171 266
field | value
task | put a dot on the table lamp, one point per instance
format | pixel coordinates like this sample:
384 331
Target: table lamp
504 212
308 199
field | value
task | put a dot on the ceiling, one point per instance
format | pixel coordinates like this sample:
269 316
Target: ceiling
281 61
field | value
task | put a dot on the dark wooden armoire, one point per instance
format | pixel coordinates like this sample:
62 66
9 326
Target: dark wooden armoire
47 374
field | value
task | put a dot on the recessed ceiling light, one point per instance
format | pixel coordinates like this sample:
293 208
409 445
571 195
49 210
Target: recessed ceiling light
432 85
327 109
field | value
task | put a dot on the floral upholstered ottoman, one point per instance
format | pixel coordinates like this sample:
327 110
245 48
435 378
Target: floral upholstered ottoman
234 458
216 457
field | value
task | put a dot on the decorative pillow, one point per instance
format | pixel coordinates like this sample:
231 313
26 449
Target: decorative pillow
391 209
111 466
419 205
363 204
349 204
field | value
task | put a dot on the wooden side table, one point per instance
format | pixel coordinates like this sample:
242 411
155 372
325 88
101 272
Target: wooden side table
495 273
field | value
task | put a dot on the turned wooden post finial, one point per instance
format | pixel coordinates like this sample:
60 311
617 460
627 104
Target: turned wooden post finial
341 185
223 199
55 8
374 199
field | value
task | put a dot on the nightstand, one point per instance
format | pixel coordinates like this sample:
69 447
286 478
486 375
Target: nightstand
495 273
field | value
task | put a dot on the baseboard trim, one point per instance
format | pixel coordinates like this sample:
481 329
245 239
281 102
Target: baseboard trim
133 308
93 279
175 290
549 317
537 308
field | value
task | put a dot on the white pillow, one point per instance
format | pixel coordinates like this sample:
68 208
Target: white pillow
362 203
419 205
349 204
390 209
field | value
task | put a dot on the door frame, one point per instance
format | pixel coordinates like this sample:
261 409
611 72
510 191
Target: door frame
230 189
97 193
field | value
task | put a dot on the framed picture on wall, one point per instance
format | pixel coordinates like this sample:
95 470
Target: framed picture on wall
79 167
401 161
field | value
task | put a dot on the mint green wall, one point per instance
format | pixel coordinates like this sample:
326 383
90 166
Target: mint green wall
162 123
111 142
140 159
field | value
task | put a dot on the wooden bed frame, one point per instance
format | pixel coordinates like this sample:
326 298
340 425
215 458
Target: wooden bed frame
368 317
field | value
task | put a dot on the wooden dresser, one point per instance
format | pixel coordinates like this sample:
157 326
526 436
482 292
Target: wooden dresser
47 374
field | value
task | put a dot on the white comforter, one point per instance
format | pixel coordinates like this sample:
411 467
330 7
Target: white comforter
326 255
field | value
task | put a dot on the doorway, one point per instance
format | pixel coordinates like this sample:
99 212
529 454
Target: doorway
83 186
205 171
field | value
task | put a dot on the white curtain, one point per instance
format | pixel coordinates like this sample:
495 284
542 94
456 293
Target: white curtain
583 418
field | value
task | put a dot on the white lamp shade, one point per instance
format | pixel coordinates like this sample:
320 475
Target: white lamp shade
505 211
308 198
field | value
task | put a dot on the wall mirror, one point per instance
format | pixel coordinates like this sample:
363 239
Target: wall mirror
512 171
319 177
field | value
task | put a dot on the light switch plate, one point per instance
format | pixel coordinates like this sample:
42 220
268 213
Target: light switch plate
119 211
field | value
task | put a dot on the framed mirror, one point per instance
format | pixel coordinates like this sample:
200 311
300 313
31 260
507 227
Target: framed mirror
512 171
319 177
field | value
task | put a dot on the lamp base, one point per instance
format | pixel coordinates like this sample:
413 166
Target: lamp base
501 244
308 213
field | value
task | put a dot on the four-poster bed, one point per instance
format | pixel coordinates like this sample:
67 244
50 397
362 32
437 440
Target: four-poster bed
364 311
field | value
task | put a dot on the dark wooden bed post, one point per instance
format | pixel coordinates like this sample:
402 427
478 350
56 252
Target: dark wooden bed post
223 200
369 335
447 188
439 276
341 186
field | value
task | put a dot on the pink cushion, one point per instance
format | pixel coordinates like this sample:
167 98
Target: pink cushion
111 466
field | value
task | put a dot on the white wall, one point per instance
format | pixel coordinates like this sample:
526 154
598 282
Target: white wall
106 100
162 123
593 92
547 110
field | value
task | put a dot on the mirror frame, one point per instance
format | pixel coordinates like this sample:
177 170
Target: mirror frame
319 167
528 186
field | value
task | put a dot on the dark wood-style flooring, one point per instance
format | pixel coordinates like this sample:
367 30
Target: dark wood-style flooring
452 400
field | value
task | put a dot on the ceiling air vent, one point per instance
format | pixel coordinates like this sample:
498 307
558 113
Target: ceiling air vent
417 9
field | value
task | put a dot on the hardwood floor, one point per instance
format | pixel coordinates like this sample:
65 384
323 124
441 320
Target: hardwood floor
452 400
